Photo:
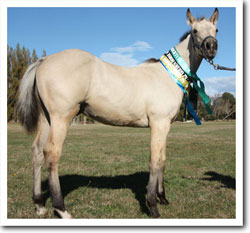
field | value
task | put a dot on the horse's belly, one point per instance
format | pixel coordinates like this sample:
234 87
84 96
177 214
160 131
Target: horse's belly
111 116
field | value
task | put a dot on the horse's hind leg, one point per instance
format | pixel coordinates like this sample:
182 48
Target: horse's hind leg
159 132
160 187
58 131
38 157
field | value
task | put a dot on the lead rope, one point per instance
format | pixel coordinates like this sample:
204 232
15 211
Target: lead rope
218 67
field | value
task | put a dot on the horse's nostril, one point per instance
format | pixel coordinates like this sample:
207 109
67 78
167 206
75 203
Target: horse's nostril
208 46
215 46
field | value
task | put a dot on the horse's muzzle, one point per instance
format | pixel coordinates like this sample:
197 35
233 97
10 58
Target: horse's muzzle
209 47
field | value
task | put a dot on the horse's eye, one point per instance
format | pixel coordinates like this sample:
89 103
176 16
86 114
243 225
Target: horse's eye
217 30
195 31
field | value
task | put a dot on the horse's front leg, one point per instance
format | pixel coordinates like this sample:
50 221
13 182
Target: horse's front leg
159 132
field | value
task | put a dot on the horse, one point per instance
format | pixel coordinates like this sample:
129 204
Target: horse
56 88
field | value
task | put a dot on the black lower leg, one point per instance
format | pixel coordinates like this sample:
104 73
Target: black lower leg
160 188
37 199
55 189
162 197
57 199
152 205
151 197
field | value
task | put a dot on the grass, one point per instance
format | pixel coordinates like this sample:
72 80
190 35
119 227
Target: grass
104 172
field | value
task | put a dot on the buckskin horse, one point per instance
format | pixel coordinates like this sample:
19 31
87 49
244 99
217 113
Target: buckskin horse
56 88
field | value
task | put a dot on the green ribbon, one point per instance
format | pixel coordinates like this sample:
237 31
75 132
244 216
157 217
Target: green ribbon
197 83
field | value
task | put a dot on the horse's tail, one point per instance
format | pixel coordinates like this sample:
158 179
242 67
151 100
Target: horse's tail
28 101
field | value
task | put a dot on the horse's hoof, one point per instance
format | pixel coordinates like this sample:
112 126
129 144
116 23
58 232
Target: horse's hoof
63 214
164 201
153 210
41 210
162 198
155 215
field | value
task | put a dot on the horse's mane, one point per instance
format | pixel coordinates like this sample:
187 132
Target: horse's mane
152 60
183 37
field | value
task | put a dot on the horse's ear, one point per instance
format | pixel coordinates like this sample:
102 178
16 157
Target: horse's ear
214 17
190 17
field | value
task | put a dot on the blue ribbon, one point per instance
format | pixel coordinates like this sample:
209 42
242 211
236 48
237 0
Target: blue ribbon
192 112
188 104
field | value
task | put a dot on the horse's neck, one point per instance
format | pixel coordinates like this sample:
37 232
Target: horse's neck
187 52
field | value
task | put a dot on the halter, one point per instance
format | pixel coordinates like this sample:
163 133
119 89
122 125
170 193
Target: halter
201 47
203 53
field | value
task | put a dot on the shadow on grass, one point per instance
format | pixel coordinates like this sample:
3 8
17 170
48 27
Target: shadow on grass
137 182
226 181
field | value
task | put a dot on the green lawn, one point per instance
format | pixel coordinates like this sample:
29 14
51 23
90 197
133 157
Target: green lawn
104 172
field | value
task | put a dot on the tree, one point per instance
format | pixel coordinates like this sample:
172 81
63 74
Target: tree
18 60
34 56
228 96
230 106
11 66
9 81
224 105
44 53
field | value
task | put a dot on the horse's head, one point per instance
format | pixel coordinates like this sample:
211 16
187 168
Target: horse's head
204 34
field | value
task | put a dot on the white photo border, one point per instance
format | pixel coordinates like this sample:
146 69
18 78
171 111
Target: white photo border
238 221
